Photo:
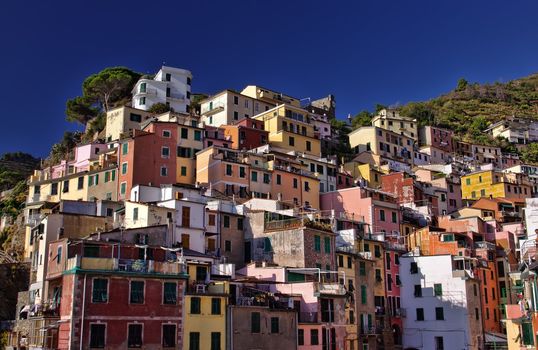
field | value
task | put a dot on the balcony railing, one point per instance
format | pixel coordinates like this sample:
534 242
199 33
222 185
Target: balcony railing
329 288
288 224
125 265
207 288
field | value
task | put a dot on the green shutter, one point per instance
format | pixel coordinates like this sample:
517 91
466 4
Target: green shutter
317 243
327 243
107 176
363 294
526 328
438 289
113 177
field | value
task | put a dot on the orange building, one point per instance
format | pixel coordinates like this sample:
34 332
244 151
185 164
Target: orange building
246 133
490 296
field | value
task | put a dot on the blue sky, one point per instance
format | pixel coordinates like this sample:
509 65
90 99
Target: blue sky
364 52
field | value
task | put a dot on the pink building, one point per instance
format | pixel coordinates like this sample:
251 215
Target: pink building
379 209
78 160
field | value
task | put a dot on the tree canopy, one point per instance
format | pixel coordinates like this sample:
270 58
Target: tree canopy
101 92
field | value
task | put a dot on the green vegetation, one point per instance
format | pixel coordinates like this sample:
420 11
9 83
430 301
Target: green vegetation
530 153
159 108
107 89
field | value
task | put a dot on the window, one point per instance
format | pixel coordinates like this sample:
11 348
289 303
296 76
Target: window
137 292
239 223
184 133
377 251
306 186
164 171
135 117
327 310
226 221
300 336
134 338
394 217
125 148
197 135
195 305
215 306
418 291
135 214
54 189
291 141
227 246
414 268
438 289
278 179
97 335
124 168
254 176
420 314
194 341
215 340
275 325
169 335
66 186
123 188
327 244
183 171
80 184
382 215
169 293
266 178
100 290
439 345
228 169
254 322
349 262
439 313
314 337
467 181
142 101
308 146
317 243
165 152
362 268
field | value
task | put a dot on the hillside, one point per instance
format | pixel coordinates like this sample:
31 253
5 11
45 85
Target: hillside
471 107
15 167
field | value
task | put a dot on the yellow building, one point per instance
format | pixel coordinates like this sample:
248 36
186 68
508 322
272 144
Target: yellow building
495 184
381 142
270 96
123 119
390 119
205 315
290 128
371 173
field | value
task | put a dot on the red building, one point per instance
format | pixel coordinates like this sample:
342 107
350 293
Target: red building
130 300
392 289
344 180
410 191
148 157
246 133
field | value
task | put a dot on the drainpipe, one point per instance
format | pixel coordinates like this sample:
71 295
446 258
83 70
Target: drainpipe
83 309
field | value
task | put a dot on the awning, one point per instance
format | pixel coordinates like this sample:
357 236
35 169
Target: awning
496 338
35 206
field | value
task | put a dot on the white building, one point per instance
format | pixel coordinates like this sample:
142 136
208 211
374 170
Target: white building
227 107
171 86
442 302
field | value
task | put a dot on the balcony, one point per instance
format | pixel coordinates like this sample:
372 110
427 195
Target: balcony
329 288
278 225
128 266
212 288
212 109
308 317
371 331
176 96
146 92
